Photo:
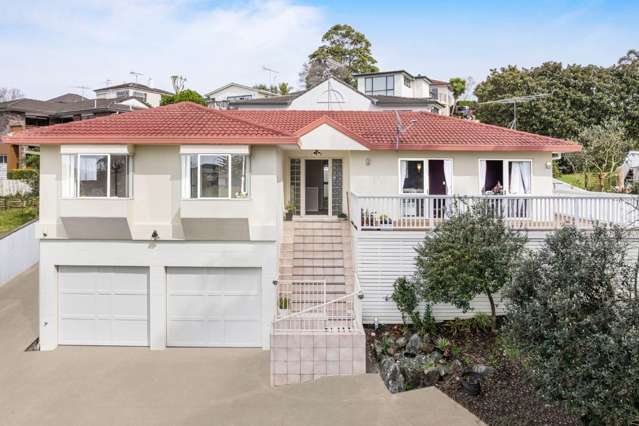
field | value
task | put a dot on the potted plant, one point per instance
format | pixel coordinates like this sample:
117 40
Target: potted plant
282 306
290 210
385 221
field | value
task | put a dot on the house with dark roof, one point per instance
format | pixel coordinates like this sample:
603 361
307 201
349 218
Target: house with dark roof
335 95
146 94
20 114
189 226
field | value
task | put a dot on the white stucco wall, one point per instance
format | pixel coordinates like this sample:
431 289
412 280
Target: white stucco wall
381 176
234 91
342 98
156 200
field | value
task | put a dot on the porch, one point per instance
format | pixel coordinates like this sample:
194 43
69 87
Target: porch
532 212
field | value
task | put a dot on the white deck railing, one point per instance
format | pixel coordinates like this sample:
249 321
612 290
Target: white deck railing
308 313
408 212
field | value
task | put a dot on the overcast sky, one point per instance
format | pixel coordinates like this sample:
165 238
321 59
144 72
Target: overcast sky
50 47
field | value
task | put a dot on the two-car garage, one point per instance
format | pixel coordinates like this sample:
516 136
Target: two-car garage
203 307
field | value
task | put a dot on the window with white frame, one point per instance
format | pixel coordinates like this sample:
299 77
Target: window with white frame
411 175
215 176
96 176
510 176
3 159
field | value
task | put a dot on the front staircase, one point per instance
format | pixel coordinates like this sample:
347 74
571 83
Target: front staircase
317 330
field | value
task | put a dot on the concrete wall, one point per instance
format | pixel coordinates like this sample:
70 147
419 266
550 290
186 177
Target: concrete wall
156 256
381 176
18 251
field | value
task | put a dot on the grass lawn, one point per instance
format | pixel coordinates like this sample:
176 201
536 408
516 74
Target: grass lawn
13 218
577 179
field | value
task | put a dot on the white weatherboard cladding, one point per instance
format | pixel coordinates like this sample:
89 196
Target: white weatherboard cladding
214 307
325 137
382 257
103 305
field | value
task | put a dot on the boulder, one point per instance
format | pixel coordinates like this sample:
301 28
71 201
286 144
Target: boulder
427 347
392 375
483 370
436 356
401 342
431 376
412 369
414 345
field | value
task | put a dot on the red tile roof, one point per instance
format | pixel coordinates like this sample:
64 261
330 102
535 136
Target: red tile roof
185 123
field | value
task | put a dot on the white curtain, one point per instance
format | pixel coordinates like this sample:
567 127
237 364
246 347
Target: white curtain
69 182
88 168
525 176
448 176
519 182
482 175
186 176
403 174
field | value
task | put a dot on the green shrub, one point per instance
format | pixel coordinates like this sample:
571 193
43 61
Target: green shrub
481 322
21 174
408 302
574 314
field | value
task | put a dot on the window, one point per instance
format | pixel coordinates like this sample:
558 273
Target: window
3 159
239 97
215 176
411 176
407 82
380 85
140 95
122 94
96 176
433 92
511 176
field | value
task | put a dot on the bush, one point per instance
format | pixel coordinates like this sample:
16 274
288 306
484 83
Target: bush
470 254
21 174
408 301
574 314
183 96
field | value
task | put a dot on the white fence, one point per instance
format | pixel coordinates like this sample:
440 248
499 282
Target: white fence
19 250
409 212
13 187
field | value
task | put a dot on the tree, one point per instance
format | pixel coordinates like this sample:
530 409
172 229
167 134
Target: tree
178 81
459 87
10 93
272 88
574 313
630 57
472 253
580 97
316 71
183 96
347 47
605 147
284 88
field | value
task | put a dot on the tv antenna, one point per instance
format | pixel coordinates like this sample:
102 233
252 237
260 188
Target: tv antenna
107 82
83 88
136 74
272 74
401 129
517 100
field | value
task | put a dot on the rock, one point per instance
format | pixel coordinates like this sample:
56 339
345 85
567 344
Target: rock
431 376
392 375
435 356
444 370
414 344
427 347
483 370
401 342
412 369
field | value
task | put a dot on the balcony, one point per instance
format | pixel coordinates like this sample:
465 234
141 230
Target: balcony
532 212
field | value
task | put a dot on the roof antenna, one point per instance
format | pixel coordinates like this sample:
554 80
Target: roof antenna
400 128
83 88
514 101
136 74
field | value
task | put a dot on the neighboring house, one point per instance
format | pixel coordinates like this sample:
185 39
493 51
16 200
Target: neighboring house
164 227
403 84
232 92
335 95
132 91
21 114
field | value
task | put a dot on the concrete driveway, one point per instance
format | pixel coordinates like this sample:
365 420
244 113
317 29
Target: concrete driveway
92 385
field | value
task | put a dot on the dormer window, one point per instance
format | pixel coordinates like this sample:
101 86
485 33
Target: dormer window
122 94
380 85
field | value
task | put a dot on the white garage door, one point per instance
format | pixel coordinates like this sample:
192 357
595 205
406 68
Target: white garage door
103 306
214 307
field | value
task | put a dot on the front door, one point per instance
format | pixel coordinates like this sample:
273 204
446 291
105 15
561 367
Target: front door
317 187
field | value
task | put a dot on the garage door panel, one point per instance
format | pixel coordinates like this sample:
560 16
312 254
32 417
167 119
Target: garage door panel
103 306
214 307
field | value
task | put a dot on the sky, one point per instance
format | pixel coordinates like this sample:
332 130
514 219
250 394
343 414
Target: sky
52 47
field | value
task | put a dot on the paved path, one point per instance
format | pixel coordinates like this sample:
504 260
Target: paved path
91 385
